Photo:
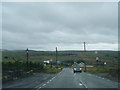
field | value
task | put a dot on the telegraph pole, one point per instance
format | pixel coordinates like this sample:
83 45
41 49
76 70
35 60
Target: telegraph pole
85 51
84 47
27 57
56 55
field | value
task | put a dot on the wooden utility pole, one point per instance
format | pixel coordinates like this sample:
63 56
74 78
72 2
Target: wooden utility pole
84 47
56 55
85 51
27 57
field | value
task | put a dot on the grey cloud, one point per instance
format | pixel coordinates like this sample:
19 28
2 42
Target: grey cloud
37 24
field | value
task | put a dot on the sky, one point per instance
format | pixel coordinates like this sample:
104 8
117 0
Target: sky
66 25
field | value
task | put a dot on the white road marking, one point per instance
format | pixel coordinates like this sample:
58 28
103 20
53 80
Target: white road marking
48 82
102 78
80 84
54 77
39 88
83 84
43 84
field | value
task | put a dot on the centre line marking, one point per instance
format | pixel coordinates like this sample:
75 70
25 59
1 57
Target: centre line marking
44 84
80 84
40 87
48 82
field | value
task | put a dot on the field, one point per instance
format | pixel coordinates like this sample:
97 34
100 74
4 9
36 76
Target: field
111 57
110 72
14 62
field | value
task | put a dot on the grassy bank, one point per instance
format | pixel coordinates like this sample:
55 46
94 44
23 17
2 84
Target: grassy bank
52 70
15 69
111 57
108 71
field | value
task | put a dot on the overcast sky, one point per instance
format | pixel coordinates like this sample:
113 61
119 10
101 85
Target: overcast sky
43 26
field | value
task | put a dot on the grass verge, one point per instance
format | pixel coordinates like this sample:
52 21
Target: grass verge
110 72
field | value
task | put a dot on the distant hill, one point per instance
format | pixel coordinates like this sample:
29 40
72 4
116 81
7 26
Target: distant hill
67 55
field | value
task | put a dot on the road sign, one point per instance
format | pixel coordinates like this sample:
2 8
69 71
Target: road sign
59 62
97 59
105 63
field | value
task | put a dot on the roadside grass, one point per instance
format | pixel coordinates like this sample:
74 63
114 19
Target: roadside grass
97 70
52 70
16 69
0 77
112 72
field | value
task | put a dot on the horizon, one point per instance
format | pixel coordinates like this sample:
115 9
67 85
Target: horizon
52 50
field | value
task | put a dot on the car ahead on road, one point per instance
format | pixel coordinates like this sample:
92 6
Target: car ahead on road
77 69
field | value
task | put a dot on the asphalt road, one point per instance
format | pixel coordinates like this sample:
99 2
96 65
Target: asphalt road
68 79
29 82
65 79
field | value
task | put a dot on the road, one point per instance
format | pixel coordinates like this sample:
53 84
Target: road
67 79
